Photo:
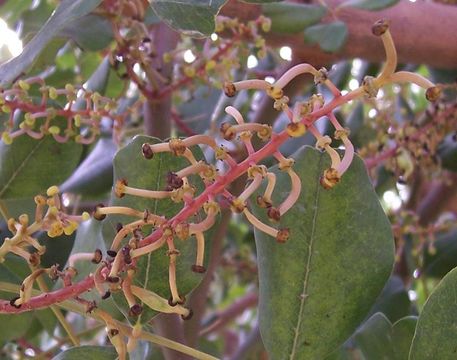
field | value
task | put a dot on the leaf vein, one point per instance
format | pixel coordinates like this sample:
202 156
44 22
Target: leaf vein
304 294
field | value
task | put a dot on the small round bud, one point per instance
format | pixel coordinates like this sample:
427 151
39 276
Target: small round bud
433 93
188 316
296 129
182 300
53 190
113 279
119 187
229 89
198 269
227 132
111 253
97 214
380 27
330 178
13 302
274 214
6 138
283 235
54 130
113 332
135 310
177 146
97 256
262 202
147 151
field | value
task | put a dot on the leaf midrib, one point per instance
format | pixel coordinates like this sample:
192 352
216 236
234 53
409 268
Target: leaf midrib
19 168
304 294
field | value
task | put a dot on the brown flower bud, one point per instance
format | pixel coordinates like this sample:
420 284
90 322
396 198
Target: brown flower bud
262 202
97 256
173 181
229 89
188 316
283 235
273 214
227 132
135 310
198 269
147 151
380 27
97 215
433 93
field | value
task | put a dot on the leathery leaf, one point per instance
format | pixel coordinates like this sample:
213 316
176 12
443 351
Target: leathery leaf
317 287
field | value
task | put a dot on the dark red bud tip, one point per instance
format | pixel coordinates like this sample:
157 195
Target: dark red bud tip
113 332
106 295
118 227
229 89
13 302
273 214
198 269
181 301
188 316
113 279
135 310
98 216
111 253
147 151
433 93
283 235
173 181
380 27
34 259
97 256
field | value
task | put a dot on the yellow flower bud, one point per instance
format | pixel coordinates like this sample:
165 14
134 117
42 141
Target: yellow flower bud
53 190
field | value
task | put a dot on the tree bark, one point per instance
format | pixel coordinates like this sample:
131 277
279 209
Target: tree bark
424 33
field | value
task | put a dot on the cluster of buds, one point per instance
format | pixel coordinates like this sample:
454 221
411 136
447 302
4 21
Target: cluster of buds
303 114
49 217
78 120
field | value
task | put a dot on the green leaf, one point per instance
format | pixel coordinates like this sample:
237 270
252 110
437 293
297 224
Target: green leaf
292 18
374 338
330 37
371 5
18 324
394 301
444 258
88 352
447 152
90 32
67 11
402 336
317 287
193 18
152 271
30 166
94 175
11 10
436 330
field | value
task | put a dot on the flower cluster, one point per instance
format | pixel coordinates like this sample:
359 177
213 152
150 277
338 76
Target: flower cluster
78 119
117 270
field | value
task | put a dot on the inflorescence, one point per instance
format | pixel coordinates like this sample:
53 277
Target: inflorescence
116 271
